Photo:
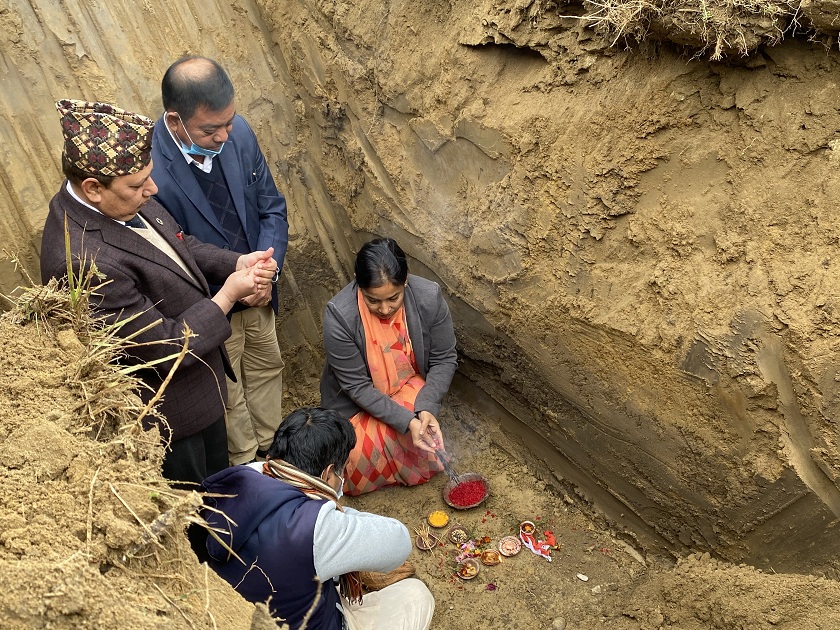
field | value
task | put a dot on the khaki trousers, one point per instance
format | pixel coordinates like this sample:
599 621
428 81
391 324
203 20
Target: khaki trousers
254 402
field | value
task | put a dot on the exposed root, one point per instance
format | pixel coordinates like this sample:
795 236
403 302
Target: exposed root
722 26
175 606
175 516
253 566
207 596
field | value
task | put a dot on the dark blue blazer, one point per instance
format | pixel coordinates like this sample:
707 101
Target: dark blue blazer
260 206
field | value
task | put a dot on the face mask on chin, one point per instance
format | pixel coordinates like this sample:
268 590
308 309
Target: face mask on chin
193 148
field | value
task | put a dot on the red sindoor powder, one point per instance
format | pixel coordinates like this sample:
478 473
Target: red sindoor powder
468 493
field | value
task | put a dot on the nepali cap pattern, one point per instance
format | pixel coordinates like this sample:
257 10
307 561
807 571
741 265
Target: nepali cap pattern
103 139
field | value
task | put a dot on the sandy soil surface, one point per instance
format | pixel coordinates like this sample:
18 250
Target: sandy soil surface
640 246
82 494
648 235
623 590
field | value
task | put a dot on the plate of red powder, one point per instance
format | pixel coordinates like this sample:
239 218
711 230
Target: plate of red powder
471 490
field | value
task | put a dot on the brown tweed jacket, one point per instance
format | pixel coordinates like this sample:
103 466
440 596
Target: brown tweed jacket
141 280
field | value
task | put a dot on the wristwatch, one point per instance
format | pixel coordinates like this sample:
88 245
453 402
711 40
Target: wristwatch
276 276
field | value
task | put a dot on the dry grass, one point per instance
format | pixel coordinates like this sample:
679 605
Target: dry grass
720 27
125 478
108 386
124 459
108 401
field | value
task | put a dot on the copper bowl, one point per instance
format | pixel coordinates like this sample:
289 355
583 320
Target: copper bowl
458 534
468 569
490 557
510 546
450 485
527 527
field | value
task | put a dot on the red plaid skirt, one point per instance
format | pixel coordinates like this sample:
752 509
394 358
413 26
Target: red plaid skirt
385 457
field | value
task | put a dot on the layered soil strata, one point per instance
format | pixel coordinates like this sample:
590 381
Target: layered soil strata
638 242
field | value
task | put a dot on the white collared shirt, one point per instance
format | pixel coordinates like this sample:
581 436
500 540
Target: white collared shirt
150 234
86 204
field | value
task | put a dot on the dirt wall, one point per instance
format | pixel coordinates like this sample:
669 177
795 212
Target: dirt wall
638 242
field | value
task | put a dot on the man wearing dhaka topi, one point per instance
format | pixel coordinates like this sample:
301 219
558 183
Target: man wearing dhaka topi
151 277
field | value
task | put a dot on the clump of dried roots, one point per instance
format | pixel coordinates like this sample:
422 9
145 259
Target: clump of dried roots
720 26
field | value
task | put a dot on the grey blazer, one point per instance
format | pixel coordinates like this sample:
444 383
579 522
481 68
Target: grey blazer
346 384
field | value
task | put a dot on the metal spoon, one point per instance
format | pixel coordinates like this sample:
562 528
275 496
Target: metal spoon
444 459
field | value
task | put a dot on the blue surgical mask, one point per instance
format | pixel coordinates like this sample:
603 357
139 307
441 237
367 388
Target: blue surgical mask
194 149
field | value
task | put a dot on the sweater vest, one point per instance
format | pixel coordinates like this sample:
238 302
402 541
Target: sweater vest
273 536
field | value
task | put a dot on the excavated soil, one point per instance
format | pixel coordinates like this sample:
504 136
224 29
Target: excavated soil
624 590
76 506
632 209
78 501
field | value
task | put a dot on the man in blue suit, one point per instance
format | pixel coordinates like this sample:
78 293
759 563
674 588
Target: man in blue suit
213 178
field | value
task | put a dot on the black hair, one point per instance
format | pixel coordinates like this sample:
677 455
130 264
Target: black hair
380 262
184 88
77 175
312 438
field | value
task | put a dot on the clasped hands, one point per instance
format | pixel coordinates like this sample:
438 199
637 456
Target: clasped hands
265 265
251 282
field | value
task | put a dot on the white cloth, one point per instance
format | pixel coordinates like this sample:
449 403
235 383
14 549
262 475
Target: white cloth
405 605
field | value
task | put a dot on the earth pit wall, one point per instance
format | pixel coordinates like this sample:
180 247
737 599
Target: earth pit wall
639 247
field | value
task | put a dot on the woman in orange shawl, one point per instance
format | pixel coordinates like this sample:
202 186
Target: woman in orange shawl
390 348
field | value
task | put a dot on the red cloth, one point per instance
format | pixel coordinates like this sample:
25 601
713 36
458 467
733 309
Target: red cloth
539 547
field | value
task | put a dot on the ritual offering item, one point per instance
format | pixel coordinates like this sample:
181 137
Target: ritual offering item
468 569
528 535
471 490
438 518
490 557
425 540
426 544
458 534
444 459
509 546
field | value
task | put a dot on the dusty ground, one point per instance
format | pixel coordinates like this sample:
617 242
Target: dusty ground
640 248
80 487
639 243
76 506
625 591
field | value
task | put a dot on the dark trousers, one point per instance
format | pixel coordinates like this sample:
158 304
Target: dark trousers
192 459
197 456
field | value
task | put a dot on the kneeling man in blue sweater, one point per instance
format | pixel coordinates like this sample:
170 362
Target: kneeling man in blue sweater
297 547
